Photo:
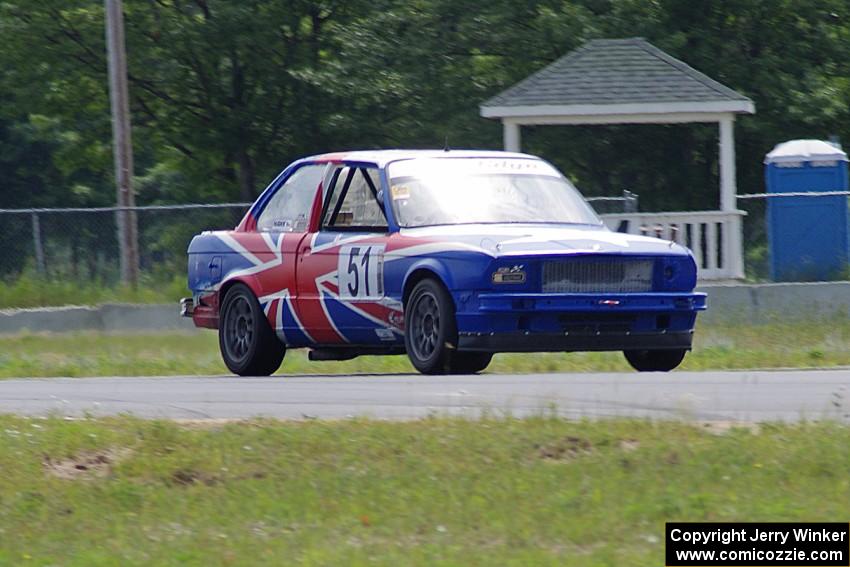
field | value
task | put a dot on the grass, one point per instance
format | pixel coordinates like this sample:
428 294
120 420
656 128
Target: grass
32 291
781 343
540 491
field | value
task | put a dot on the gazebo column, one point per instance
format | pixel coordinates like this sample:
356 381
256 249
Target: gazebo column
511 135
728 190
732 241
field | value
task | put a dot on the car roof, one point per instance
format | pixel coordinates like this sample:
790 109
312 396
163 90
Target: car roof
382 157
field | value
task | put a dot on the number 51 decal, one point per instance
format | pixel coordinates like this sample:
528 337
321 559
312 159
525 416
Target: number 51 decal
361 271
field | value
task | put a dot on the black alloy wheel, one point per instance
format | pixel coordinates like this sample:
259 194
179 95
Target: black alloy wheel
431 333
247 342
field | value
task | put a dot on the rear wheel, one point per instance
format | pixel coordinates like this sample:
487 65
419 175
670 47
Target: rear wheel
247 342
655 360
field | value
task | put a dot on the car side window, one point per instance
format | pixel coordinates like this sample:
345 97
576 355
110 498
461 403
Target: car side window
289 208
354 202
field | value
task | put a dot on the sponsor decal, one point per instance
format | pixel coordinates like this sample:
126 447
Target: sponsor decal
396 319
399 192
385 334
510 274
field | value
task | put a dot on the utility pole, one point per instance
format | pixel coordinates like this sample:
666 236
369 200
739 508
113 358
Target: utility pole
121 144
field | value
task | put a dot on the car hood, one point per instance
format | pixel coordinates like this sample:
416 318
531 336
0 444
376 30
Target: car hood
532 239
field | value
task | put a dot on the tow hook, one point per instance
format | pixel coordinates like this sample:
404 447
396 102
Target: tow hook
187 306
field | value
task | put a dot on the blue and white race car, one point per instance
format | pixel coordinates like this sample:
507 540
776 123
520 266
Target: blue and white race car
448 256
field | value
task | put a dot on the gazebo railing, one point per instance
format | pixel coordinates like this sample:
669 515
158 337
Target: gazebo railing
715 237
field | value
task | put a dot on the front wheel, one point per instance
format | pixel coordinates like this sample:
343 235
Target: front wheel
655 360
430 329
431 333
469 362
248 344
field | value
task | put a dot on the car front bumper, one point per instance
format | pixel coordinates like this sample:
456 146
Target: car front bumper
537 322
566 342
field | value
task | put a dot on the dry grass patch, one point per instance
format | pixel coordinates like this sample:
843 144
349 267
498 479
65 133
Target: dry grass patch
564 449
85 465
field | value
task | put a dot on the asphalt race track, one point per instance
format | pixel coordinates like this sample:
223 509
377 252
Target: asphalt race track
702 396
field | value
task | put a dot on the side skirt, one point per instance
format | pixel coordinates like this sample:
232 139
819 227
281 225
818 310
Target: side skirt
320 354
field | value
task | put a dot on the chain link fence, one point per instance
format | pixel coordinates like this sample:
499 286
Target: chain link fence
82 244
755 240
627 203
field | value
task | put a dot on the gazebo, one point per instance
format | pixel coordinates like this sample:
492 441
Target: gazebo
630 81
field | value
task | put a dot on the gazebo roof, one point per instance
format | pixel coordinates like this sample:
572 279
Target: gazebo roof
607 77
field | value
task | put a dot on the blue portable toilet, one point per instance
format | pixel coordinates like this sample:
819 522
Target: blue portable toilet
807 236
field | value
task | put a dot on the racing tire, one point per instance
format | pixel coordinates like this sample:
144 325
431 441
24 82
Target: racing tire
469 362
655 360
247 342
430 335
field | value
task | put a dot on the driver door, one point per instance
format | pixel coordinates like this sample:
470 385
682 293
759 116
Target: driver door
341 275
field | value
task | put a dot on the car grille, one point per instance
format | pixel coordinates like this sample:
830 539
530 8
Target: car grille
607 275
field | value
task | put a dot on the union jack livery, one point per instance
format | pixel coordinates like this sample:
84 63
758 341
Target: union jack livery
449 256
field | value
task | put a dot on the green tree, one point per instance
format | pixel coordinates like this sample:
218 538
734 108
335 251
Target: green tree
226 92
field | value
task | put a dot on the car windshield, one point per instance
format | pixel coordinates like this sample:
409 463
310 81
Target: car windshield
435 191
